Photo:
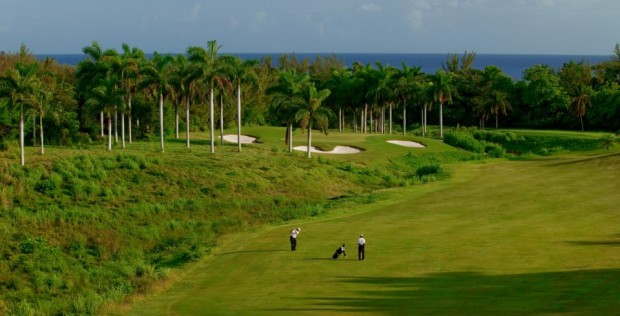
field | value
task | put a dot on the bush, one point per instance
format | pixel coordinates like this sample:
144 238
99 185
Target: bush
494 150
463 141
429 170
5 146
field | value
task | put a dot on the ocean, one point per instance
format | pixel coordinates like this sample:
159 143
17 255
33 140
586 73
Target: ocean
512 65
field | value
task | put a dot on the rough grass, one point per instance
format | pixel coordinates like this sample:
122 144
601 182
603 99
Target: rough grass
525 237
82 228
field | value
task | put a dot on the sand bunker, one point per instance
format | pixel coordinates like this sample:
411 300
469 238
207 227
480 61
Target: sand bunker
405 143
244 139
336 150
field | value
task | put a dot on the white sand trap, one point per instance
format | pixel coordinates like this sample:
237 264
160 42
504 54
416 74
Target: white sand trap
336 150
405 143
244 139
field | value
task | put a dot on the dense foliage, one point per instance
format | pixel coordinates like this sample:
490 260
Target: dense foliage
125 93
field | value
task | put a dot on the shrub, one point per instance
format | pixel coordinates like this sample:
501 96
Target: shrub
5 146
428 170
49 184
463 141
494 150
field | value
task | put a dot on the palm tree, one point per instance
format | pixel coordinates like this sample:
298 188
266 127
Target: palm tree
99 63
205 62
495 91
239 72
575 79
312 112
19 87
180 90
426 97
442 93
157 75
406 86
131 61
288 99
104 97
380 90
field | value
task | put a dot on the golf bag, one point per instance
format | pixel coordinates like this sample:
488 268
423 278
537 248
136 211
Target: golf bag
339 251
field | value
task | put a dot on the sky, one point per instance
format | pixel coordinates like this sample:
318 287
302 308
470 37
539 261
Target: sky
571 27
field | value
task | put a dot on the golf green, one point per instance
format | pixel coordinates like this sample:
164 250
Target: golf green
501 237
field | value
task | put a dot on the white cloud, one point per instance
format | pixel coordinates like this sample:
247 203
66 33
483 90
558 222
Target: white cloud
415 19
370 7
421 5
195 10
261 16
233 22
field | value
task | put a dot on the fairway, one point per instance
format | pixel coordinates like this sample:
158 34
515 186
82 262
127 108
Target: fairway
501 237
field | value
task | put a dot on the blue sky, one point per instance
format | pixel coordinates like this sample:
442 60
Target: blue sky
582 27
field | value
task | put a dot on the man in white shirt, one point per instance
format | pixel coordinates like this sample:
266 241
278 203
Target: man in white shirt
361 245
293 237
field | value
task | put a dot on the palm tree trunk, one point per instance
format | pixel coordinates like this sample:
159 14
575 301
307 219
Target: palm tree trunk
354 120
424 121
239 116
34 131
309 139
109 132
290 137
441 120
115 125
365 123
161 121
390 118
101 121
123 130
176 121
404 119
187 123
581 119
496 121
21 135
211 123
129 116
371 121
41 132
221 119
340 119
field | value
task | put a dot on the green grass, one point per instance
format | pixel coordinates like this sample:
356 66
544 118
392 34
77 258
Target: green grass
83 229
526 237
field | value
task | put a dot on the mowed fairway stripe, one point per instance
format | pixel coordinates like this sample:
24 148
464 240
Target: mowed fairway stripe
501 237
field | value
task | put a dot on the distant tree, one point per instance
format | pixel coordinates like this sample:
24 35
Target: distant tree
407 86
443 90
312 113
103 98
288 99
496 90
157 75
575 79
240 72
205 63
19 87
129 66
543 94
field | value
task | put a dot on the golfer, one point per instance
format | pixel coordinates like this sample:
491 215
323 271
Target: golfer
293 238
361 247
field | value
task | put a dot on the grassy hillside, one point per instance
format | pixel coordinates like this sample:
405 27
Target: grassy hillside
82 228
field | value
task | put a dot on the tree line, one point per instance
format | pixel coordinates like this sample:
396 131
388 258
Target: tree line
118 97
